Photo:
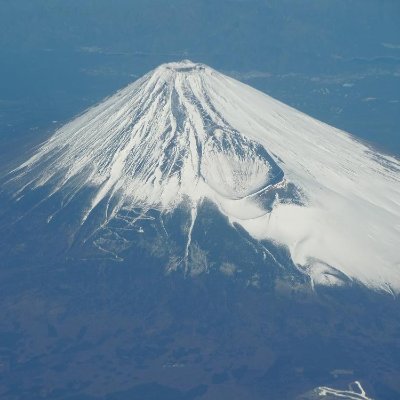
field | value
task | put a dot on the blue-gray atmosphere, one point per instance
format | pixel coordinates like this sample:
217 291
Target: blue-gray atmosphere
199 199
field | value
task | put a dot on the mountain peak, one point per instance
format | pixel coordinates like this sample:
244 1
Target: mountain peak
181 135
184 66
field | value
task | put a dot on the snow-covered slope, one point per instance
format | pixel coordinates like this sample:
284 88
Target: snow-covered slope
185 132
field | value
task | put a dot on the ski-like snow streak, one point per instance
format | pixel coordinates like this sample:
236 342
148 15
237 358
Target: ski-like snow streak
185 132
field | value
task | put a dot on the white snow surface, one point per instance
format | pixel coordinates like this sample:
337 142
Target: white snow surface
185 132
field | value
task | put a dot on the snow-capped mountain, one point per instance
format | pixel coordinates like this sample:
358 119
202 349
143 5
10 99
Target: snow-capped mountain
185 133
